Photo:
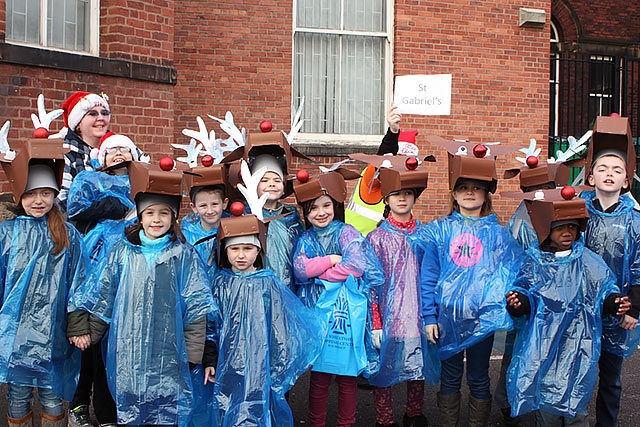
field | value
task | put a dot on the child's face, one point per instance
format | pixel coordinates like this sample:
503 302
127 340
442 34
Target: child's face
401 203
156 220
609 174
272 184
470 197
115 155
209 206
562 237
321 212
37 203
242 257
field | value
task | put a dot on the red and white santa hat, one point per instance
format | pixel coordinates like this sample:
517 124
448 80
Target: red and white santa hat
407 143
79 104
112 140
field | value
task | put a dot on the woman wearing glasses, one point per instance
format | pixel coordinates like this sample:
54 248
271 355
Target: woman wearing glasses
86 116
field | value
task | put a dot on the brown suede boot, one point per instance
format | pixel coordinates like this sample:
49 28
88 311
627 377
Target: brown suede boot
449 406
47 420
26 421
479 411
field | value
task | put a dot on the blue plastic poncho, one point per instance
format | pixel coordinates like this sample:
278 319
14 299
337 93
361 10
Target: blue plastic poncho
616 238
34 350
282 236
358 256
148 295
102 239
520 227
267 339
204 241
468 264
90 187
405 352
555 359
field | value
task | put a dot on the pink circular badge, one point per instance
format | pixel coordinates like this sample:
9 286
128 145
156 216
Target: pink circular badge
465 250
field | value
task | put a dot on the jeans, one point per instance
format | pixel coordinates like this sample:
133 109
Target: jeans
478 356
20 398
501 388
609 390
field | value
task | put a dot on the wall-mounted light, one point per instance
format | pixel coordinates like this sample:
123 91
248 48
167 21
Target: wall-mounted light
532 17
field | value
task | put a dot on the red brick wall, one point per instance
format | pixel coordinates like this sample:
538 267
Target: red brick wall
613 22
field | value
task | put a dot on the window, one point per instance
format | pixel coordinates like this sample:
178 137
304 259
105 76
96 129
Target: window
342 65
601 85
59 24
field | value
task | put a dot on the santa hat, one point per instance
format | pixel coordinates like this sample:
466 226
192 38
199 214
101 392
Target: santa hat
407 143
78 104
112 140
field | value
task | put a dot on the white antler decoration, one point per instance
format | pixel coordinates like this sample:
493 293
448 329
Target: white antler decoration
530 151
296 122
250 189
192 149
575 147
44 119
236 135
334 166
5 149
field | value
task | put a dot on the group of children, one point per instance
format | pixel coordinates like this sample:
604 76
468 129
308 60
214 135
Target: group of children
210 320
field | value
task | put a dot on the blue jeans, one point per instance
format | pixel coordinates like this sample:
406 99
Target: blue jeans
20 398
609 390
478 357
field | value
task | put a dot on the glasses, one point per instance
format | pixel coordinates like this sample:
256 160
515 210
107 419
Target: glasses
94 113
116 149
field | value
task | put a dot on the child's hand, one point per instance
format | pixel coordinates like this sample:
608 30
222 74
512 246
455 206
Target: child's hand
81 341
376 338
209 375
513 300
624 305
393 118
432 332
335 259
628 322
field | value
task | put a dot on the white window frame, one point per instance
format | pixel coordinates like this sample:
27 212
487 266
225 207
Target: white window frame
94 30
330 139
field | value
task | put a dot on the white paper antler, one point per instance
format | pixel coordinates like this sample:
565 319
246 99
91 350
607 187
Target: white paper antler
296 122
250 189
5 149
334 166
206 139
575 147
530 151
44 119
193 149
232 130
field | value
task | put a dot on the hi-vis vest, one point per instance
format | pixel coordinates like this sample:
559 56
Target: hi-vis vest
364 215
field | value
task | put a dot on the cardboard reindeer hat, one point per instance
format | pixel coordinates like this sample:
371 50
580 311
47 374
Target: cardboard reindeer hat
554 172
150 185
205 176
397 172
612 136
470 160
240 229
330 182
548 207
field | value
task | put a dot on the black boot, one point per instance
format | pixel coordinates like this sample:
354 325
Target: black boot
387 425
509 421
417 421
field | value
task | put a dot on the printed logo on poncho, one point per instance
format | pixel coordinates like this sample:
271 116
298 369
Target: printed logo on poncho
465 250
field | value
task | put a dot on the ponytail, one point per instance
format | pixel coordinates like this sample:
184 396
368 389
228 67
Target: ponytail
58 229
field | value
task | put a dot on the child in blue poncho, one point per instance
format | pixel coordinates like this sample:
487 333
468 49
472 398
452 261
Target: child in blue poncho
334 268
263 339
561 294
41 259
152 293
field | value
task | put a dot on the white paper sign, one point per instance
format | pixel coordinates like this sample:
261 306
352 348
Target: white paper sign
425 95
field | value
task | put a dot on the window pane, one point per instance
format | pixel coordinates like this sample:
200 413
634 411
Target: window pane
318 14
23 20
364 15
68 24
316 71
362 97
